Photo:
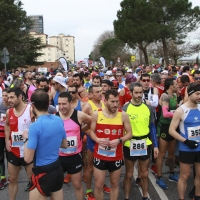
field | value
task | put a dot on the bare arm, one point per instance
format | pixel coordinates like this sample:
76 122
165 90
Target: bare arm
7 132
175 123
64 143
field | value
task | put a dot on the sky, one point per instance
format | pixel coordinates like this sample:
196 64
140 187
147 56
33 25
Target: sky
86 20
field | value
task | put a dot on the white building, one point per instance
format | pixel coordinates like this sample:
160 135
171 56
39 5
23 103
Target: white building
66 44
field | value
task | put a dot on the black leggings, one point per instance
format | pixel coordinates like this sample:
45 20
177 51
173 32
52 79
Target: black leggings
2 164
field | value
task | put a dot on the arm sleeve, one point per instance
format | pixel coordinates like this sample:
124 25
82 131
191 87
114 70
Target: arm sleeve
166 113
154 100
153 134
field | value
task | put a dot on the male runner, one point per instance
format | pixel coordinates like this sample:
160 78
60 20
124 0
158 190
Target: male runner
187 118
18 119
71 158
168 102
42 143
142 122
93 105
107 130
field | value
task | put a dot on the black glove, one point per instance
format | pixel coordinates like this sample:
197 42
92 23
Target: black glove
191 144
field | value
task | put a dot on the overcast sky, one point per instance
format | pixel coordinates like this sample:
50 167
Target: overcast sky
83 19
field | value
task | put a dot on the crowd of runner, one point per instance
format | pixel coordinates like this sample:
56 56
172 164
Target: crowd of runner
90 121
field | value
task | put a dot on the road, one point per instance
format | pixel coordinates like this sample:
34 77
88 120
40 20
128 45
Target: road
155 192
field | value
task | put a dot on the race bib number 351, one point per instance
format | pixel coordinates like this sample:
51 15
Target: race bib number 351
194 133
17 139
138 148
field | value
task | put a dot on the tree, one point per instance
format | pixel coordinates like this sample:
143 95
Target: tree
147 21
14 34
95 54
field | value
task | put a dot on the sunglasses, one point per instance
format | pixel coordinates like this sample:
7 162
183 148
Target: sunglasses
72 92
196 78
119 76
145 80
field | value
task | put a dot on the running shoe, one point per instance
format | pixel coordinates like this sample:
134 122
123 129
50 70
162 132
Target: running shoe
106 189
173 178
192 193
1 186
161 184
26 189
138 182
89 196
153 169
67 178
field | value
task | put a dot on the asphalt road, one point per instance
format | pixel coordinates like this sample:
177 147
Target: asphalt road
155 192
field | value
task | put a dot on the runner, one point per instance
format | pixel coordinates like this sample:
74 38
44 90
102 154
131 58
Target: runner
186 117
82 92
142 122
59 86
18 119
71 158
107 129
3 107
94 104
29 86
168 102
42 143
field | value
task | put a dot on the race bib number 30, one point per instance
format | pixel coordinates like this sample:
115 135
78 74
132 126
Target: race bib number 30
107 151
138 148
17 139
72 145
194 133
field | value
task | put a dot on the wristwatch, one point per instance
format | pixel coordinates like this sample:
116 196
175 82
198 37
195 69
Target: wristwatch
120 140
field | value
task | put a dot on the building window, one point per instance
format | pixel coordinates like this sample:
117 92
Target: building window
49 49
49 54
49 59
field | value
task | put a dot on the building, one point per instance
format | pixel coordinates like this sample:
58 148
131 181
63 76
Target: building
44 37
67 45
38 25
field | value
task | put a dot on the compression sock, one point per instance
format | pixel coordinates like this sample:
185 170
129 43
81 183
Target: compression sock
88 191
171 173
197 197
159 177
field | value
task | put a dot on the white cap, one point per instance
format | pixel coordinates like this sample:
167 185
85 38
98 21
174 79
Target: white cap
60 80
164 72
109 73
129 70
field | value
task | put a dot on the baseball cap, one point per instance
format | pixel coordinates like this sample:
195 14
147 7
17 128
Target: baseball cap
60 80
164 72
129 70
138 70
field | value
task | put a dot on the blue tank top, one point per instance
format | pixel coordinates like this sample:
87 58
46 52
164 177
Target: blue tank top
55 99
190 127
78 107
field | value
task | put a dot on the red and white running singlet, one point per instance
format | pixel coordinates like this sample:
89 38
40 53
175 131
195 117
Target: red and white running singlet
17 126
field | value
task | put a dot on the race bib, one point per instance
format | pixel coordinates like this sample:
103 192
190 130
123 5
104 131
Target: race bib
138 148
17 139
194 133
107 151
72 145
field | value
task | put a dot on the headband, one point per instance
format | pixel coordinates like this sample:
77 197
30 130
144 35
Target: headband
193 89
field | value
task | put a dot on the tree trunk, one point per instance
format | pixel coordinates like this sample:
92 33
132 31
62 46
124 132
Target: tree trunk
140 54
165 50
144 51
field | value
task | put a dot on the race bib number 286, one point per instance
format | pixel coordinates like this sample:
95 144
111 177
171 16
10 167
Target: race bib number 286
138 148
